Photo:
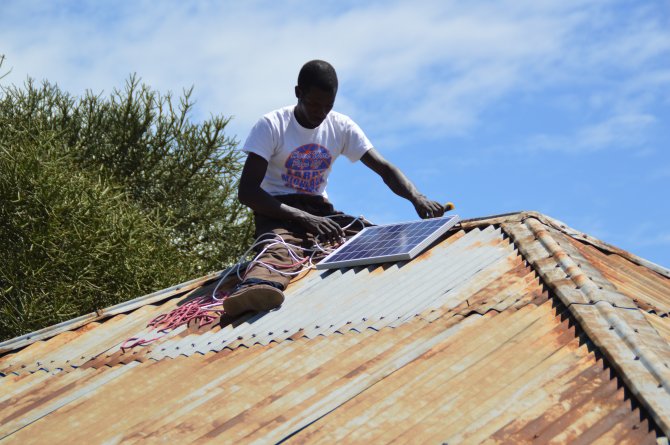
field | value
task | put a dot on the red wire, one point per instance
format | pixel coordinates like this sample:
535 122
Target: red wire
198 310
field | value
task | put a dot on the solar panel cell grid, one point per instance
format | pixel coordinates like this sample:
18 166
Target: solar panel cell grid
391 242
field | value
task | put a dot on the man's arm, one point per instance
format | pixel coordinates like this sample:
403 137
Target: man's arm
253 196
401 185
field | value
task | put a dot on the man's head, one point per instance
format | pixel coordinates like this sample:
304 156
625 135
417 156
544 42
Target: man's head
316 90
319 74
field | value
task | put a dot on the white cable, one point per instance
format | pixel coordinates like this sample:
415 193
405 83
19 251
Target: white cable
257 242
271 240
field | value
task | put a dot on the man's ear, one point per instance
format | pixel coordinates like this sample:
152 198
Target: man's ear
298 92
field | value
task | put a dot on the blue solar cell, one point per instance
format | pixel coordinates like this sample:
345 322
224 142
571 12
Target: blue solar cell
391 242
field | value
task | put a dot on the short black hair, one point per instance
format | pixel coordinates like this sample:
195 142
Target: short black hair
318 73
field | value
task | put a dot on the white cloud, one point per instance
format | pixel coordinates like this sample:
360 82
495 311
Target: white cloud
647 234
622 131
658 174
433 66
460 81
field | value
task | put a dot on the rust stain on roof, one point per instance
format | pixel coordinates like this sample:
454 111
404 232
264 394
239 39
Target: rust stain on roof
650 290
661 324
468 343
471 386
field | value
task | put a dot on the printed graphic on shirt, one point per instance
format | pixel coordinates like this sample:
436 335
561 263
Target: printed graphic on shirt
305 168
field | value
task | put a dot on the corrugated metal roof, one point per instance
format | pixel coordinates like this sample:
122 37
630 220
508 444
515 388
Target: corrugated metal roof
507 330
320 304
121 308
514 375
611 319
648 289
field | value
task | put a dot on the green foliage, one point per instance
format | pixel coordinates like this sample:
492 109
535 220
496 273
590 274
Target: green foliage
105 199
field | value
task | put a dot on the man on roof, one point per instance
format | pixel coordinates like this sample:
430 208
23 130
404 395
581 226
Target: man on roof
290 155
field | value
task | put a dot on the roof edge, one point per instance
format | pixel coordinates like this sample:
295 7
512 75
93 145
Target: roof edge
564 228
121 308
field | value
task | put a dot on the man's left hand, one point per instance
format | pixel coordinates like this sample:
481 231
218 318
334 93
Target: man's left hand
427 208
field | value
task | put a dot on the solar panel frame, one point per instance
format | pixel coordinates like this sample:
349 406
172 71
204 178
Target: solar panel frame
386 248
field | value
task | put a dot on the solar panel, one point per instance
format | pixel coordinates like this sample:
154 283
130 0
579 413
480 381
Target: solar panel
387 243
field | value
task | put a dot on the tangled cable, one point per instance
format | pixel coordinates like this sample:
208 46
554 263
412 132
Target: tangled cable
206 309
317 251
200 310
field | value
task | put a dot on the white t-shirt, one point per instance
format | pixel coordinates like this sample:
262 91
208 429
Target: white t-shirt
300 159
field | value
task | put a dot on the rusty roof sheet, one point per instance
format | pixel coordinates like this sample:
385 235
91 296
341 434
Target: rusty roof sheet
611 319
509 329
516 375
320 304
121 308
648 289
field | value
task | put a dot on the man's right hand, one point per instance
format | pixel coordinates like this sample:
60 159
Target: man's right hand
327 230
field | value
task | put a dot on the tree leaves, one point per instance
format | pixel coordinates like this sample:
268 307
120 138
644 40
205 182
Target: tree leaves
105 199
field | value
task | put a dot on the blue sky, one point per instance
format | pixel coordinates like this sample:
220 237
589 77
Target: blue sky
559 107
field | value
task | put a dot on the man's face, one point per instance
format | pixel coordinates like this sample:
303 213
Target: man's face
313 106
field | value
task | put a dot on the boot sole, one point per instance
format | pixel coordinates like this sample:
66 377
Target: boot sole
253 298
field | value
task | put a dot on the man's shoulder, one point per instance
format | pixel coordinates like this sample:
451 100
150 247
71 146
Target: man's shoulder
340 121
339 117
275 120
282 113
343 122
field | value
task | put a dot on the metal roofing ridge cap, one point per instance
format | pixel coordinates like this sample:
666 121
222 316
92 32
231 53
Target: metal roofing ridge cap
606 313
562 227
124 307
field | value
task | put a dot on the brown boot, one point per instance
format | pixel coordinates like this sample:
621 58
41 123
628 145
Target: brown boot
256 298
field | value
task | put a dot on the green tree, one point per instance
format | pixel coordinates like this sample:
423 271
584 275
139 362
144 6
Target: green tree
103 199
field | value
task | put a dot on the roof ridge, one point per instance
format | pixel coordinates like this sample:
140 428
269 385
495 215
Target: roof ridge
521 216
611 319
